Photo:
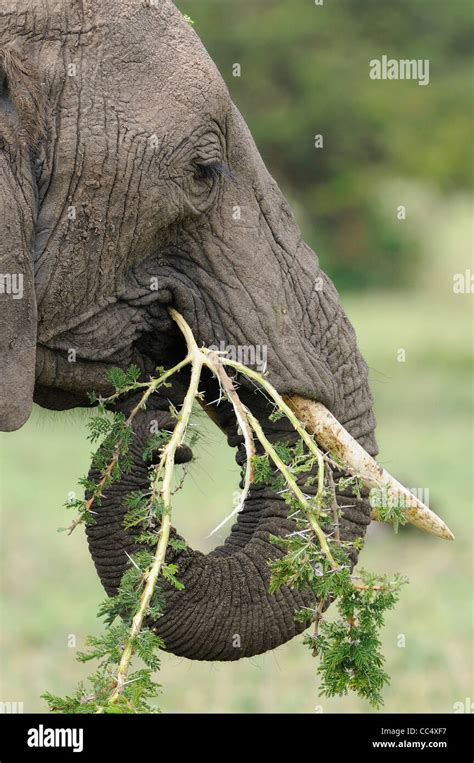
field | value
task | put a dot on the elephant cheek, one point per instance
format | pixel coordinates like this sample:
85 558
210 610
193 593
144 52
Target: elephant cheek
17 303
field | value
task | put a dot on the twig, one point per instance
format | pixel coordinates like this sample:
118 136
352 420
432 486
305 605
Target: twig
241 415
317 619
292 484
284 408
334 506
167 462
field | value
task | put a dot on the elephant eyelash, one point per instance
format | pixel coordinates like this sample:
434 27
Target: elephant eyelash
211 171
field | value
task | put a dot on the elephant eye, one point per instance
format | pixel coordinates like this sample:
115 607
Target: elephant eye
211 171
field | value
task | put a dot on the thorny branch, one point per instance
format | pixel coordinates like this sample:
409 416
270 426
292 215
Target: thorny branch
162 475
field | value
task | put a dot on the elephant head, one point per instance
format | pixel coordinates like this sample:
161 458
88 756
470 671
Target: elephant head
130 183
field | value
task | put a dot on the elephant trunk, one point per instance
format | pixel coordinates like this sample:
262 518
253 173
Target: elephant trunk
225 610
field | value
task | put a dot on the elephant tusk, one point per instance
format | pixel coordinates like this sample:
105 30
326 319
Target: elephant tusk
332 436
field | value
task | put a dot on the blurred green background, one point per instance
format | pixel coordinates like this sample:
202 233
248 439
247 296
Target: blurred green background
305 72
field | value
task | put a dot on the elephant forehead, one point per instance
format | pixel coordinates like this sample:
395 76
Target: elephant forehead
140 66
156 63
146 52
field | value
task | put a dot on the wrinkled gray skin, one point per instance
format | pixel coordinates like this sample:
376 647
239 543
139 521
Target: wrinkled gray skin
106 112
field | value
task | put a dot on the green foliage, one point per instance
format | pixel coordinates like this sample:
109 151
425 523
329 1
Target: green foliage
177 544
122 604
143 516
121 379
276 415
262 469
137 505
389 509
93 696
145 510
284 451
154 443
108 649
111 460
353 483
349 649
147 647
169 573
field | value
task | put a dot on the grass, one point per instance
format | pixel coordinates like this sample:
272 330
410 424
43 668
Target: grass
50 589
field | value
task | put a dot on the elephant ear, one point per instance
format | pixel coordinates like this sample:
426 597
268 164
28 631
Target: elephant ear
21 128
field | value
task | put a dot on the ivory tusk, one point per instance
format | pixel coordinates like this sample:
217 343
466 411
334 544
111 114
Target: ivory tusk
335 440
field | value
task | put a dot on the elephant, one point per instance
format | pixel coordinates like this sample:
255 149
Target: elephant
130 184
